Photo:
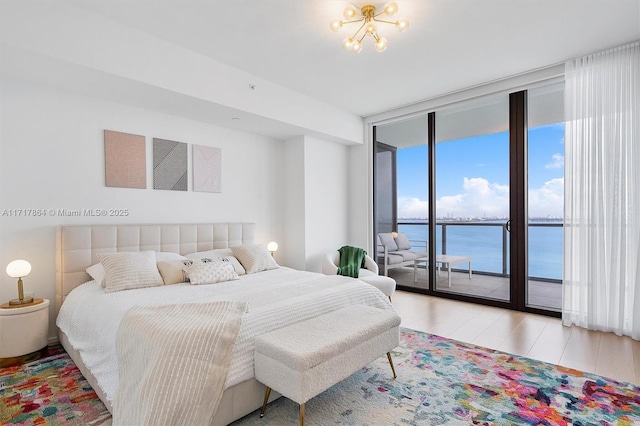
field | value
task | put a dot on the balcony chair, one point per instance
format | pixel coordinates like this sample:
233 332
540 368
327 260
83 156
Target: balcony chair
368 274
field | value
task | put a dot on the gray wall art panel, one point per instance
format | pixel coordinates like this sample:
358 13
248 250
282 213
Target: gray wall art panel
169 165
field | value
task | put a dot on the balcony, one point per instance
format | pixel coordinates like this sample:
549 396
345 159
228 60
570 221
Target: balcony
487 244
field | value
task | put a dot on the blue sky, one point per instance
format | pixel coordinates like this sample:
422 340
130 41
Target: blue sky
472 175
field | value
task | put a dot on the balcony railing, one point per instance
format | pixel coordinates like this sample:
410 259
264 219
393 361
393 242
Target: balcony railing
487 243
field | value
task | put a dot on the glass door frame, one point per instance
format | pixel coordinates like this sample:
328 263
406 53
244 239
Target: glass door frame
518 211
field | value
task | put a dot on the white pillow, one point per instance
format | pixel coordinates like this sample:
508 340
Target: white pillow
97 273
254 258
174 272
129 270
220 254
210 272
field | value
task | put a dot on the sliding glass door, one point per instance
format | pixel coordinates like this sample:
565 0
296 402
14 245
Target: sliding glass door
476 187
408 141
545 166
472 199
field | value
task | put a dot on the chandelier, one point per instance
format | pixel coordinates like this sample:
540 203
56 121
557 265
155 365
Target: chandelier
368 18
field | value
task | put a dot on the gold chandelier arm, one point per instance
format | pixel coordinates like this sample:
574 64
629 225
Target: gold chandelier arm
353 22
383 21
356 33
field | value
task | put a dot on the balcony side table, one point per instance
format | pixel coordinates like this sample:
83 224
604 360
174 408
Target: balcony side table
23 329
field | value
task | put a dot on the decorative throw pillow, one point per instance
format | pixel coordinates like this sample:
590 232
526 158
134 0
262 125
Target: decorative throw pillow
97 273
254 258
388 241
219 254
172 272
129 270
403 242
210 272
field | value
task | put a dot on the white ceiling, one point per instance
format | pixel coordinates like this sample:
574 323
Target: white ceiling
450 44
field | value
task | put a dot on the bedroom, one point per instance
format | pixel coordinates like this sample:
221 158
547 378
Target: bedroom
71 71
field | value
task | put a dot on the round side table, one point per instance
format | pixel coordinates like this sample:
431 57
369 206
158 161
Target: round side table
24 329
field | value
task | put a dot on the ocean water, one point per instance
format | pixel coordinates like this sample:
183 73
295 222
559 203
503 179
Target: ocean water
484 245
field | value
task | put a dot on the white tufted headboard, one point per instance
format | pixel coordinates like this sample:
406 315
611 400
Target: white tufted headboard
78 246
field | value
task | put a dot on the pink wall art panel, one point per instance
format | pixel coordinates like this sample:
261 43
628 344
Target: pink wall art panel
125 161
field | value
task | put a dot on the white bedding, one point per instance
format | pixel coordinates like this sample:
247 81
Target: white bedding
90 317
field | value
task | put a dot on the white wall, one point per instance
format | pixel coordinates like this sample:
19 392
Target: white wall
316 206
326 199
360 205
293 253
52 157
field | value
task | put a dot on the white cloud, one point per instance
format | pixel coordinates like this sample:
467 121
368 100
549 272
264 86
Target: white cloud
548 200
557 162
412 208
481 198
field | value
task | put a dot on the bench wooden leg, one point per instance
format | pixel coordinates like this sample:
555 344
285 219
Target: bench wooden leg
302 414
267 392
393 369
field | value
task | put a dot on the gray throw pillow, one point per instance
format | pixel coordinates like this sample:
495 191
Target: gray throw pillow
403 242
388 241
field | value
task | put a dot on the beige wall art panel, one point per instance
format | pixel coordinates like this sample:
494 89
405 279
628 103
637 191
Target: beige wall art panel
125 160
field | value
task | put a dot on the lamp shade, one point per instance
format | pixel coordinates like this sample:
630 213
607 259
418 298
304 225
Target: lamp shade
272 246
18 268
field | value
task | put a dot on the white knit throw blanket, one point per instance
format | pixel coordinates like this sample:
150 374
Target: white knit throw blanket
173 362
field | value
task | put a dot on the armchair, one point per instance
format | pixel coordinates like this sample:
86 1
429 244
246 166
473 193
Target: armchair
368 274
332 261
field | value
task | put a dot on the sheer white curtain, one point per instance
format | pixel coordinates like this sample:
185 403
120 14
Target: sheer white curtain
601 289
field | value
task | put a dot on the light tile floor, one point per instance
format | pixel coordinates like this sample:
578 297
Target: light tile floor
535 336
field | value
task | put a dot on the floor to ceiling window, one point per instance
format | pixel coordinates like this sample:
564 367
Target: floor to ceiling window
472 196
492 161
545 167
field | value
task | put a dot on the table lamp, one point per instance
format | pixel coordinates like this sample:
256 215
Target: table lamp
19 269
272 247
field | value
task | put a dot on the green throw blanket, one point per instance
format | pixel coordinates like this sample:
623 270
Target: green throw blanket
351 260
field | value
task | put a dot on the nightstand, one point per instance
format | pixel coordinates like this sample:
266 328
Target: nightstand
23 329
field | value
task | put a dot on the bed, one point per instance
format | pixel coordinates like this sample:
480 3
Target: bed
276 298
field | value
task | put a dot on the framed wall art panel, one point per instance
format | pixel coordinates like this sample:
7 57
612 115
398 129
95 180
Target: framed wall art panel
207 169
169 165
125 161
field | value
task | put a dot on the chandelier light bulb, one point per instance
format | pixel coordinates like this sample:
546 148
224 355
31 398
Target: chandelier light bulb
402 24
335 24
347 42
381 44
350 11
356 46
391 8
371 28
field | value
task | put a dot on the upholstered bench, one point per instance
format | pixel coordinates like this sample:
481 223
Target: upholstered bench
302 360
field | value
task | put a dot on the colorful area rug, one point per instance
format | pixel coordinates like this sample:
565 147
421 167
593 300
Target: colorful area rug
49 391
440 382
